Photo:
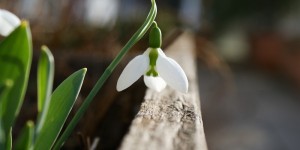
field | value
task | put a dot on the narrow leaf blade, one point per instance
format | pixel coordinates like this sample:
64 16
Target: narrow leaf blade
9 139
4 90
45 77
26 137
61 103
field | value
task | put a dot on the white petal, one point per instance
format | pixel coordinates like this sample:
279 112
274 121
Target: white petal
171 72
155 83
8 22
133 71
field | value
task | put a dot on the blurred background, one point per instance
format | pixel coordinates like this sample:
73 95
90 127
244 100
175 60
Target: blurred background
248 55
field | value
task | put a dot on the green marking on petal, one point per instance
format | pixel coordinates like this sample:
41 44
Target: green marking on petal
153 55
152 72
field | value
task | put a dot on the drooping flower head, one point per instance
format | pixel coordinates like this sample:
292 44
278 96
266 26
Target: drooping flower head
158 69
8 22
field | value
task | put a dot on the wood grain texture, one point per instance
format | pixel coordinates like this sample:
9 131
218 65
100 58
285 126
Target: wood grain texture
170 120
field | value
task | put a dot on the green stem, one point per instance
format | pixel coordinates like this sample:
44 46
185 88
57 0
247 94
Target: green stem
134 39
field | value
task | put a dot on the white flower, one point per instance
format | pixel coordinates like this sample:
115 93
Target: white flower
8 22
158 70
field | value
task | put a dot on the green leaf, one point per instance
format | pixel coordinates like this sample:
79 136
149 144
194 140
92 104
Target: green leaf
4 90
61 103
2 137
9 139
45 75
15 61
26 137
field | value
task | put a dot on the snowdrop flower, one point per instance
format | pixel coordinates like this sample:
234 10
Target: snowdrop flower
158 69
8 22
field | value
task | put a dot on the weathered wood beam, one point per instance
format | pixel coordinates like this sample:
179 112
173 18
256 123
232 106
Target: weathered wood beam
170 120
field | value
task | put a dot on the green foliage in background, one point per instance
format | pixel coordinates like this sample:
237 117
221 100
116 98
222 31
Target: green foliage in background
53 108
15 61
15 54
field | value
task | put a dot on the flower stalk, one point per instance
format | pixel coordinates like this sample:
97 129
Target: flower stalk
134 39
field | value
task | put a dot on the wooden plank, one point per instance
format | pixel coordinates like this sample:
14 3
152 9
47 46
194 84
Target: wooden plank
170 120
